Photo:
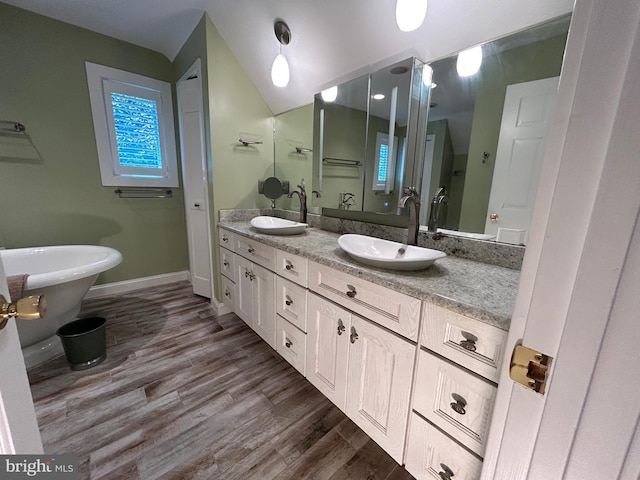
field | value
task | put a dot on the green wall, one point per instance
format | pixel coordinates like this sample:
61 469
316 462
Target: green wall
55 195
532 62
234 108
294 129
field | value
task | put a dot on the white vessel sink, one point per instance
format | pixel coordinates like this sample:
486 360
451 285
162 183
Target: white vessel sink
277 226
386 254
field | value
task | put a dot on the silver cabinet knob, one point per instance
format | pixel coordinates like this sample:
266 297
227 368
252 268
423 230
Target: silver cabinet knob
288 302
354 335
288 343
459 404
341 328
352 291
289 266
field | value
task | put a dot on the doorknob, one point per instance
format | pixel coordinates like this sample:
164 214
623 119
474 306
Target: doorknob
27 308
494 217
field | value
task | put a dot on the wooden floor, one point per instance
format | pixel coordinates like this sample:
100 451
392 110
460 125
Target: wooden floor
183 394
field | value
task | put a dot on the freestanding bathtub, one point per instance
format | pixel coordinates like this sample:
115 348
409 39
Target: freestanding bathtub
64 275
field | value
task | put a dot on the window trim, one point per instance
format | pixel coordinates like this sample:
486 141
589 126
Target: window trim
103 80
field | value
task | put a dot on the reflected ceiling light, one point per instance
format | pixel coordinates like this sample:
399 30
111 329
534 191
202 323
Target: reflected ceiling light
410 14
378 96
427 75
330 94
280 68
469 61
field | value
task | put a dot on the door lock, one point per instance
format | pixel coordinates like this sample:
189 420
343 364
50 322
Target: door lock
27 308
529 368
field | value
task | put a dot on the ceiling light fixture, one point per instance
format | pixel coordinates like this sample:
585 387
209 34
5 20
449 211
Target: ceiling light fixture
469 61
378 96
410 14
280 68
330 94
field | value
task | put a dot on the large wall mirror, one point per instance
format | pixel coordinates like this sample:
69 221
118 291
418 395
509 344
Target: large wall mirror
460 147
486 134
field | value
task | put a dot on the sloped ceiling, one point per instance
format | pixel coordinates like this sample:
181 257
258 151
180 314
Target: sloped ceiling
332 40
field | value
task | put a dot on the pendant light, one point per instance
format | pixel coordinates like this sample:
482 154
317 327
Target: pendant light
280 68
410 14
469 61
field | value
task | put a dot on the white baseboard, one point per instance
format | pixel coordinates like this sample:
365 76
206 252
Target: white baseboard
135 284
220 308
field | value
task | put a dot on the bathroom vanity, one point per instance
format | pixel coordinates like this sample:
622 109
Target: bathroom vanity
411 357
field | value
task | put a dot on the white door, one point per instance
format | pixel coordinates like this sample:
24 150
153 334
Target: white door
379 384
328 348
18 425
264 304
577 299
526 117
194 177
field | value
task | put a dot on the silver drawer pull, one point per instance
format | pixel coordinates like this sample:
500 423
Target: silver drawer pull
469 342
469 345
288 301
459 404
226 264
446 472
354 335
341 327
289 265
352 291
287 343
227 293
250 250
225 238
249 275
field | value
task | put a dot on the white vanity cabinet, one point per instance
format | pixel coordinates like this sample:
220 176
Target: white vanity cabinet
452 406
255 298
227 268
291 309
329 327
362 368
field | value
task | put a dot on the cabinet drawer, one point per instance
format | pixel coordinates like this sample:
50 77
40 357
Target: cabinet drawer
292 267
291 302
396 311
473 344
226 239
229 293
227 267
291 344
458 402
257 252
431 455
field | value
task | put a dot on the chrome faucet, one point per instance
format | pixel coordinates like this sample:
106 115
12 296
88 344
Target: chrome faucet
411 199
302 195
436 203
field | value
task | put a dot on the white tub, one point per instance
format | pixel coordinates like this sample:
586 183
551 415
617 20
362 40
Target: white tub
64 275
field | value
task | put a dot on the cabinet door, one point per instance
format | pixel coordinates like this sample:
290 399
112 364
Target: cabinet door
379 384
244 290
264 305
328 348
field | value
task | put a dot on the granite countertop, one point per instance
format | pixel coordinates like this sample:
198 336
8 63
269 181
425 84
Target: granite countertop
482 291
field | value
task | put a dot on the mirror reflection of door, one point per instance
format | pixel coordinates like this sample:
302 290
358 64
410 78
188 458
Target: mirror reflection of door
526 118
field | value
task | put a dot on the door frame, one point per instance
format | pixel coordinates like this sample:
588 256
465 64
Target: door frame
585 213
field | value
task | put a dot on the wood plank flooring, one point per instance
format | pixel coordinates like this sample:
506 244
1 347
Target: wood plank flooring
187 395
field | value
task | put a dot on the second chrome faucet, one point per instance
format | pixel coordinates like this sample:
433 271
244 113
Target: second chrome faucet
302 195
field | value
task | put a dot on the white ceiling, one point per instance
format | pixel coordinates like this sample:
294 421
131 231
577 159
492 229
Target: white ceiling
331 40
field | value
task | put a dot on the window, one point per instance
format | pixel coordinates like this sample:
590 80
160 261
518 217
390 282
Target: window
133 123
384 173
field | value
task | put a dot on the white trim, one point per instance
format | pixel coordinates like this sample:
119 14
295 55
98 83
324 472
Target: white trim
101 81
135 284
220 308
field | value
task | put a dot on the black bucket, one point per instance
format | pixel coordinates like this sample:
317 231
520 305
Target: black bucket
84 342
